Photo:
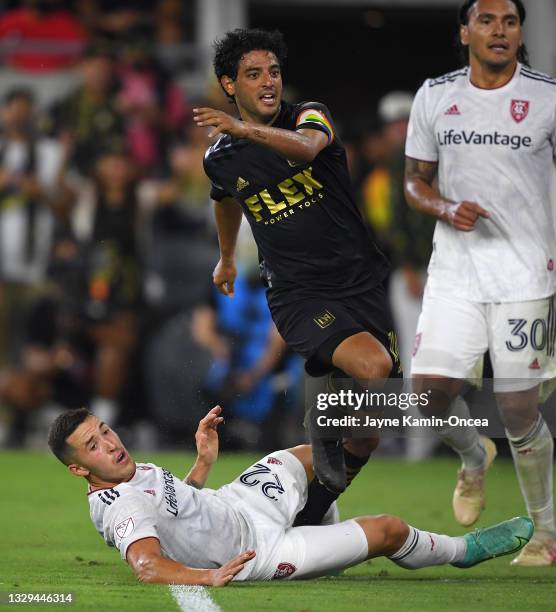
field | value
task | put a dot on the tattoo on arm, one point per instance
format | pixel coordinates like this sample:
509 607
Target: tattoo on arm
193 483
259 134
416 168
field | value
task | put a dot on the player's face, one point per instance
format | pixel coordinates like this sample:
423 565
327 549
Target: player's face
493 33
99 453
258 86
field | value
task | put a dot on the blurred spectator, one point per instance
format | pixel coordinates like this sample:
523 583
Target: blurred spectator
169 34
409 238
150 100
113 17
185 195
33 196
375 184
106 221
88 121
41 36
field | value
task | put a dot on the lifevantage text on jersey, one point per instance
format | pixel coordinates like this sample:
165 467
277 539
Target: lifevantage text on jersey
463 137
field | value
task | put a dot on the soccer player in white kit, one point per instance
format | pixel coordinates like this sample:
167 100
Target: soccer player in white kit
480 157
174 531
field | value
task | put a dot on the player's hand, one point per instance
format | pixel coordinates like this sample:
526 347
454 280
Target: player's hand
223 575
221 122
206 437
224 276
463 215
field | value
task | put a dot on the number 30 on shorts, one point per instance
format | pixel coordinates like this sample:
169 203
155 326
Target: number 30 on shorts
522 334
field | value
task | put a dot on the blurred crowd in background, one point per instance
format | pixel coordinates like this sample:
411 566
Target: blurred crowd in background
107 241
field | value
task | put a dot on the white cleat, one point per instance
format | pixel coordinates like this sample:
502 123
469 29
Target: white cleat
540 552
469 495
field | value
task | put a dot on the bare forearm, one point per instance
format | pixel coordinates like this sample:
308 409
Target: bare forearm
166 571
198 474
292 145
228 219
420 191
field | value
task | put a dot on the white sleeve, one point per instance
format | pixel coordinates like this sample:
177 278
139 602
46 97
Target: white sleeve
421 143
130 519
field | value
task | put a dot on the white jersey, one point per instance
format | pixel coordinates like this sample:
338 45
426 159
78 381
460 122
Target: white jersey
495 147
198 528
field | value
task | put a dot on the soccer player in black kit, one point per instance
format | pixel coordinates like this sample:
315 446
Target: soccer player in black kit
283 166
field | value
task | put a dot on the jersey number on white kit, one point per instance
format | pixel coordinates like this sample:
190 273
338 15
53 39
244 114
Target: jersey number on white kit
268 487
523 334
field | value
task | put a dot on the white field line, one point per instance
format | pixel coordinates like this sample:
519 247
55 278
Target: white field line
193 599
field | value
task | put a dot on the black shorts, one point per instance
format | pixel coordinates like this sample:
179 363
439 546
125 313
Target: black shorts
315 326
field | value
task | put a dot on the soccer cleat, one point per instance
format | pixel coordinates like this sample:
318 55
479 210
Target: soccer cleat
496 541
538 553
328 464
326 442
469 496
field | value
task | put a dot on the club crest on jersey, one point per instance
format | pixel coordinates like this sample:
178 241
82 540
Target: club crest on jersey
125 528
283 570
519 110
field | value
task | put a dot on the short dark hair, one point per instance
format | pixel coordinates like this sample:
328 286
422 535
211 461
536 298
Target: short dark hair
463 19
229 50
62 428
19 93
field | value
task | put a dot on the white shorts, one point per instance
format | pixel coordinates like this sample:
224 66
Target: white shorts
453 334
269 494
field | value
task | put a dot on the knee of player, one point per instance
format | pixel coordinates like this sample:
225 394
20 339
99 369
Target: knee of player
372 367
395 532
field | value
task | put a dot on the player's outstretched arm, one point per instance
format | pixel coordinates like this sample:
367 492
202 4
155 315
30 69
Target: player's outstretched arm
228 216
422 195
149 565
301 146
206 439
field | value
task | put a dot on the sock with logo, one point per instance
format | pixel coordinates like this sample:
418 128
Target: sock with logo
423 549
533 459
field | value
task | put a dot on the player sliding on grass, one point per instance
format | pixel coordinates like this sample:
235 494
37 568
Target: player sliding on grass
173 531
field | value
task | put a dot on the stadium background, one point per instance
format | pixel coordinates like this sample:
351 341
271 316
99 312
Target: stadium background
154 357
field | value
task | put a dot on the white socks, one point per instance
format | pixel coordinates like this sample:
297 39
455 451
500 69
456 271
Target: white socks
423 549
464 440
533 459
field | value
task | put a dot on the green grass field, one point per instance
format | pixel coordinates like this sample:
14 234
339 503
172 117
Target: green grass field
49 544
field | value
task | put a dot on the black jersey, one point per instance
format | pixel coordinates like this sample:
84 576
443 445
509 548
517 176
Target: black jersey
308 229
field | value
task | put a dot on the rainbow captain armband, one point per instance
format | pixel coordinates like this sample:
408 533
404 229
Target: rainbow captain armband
313 117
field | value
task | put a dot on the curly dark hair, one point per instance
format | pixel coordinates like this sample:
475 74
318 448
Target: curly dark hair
230 49
463 19
62 428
